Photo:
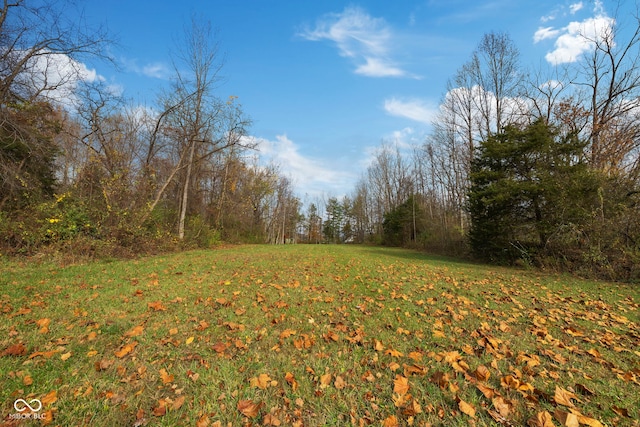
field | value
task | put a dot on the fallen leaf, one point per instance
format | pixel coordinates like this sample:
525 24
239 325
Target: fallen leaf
339 383
177 404
126 349
270 420
248 408
49 398
541 419
166 378
401 385
15 350
65 356
623 412
161 409
262 381
566 419
482 373
203 421
189 340
27 380
137 331
563 397
291 380
467 408
156 306
502 405
43 324
325 380
390 421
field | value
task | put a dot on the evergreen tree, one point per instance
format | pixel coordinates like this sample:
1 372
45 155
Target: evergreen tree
526 185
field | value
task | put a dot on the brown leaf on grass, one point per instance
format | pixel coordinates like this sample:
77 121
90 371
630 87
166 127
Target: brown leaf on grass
502 405
262 381
49 398
27 380
566 419
591 422
390 421
65 356
219 347
177 404
126 349
203 421
291 380
482 373
43 324
271 420
583 390
136 331
377 345
623 412
248 408
15 350
166 378
103 365
541 419
325 380
287 333
563 397
339 383
401 385
161 409
156 306
466 408
487 391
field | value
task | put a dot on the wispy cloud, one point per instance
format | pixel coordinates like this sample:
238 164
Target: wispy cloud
575 7
361 37
156 70
413 109
312 176
578 37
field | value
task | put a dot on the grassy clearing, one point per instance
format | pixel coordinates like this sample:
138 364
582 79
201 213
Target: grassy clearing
316 335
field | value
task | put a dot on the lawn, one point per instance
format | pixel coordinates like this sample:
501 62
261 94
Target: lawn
306 335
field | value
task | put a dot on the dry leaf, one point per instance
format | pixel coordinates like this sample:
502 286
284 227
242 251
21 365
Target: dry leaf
137 331
203 421
566 419
390 421
166 378
126 349
15 350
262 381
248 408
541 419
189 340
49 398
482 373
325 380
401 385
65 356
291 380
177 404
270 420
339 383
563 397
467 408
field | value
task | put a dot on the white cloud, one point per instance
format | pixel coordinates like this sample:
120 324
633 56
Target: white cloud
361 37
374 67
575 7
156 70
56 76
544 33
413 109
310 175
578 37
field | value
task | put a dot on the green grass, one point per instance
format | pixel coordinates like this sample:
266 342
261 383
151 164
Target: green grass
330 328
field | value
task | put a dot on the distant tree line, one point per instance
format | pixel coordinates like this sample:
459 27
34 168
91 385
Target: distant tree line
526 167
83 172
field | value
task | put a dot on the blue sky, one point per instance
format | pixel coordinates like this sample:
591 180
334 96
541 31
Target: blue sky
325 82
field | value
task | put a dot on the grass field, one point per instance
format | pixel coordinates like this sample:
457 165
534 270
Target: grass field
312 336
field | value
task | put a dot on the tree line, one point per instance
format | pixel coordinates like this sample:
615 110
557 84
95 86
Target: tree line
536 167
85 172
